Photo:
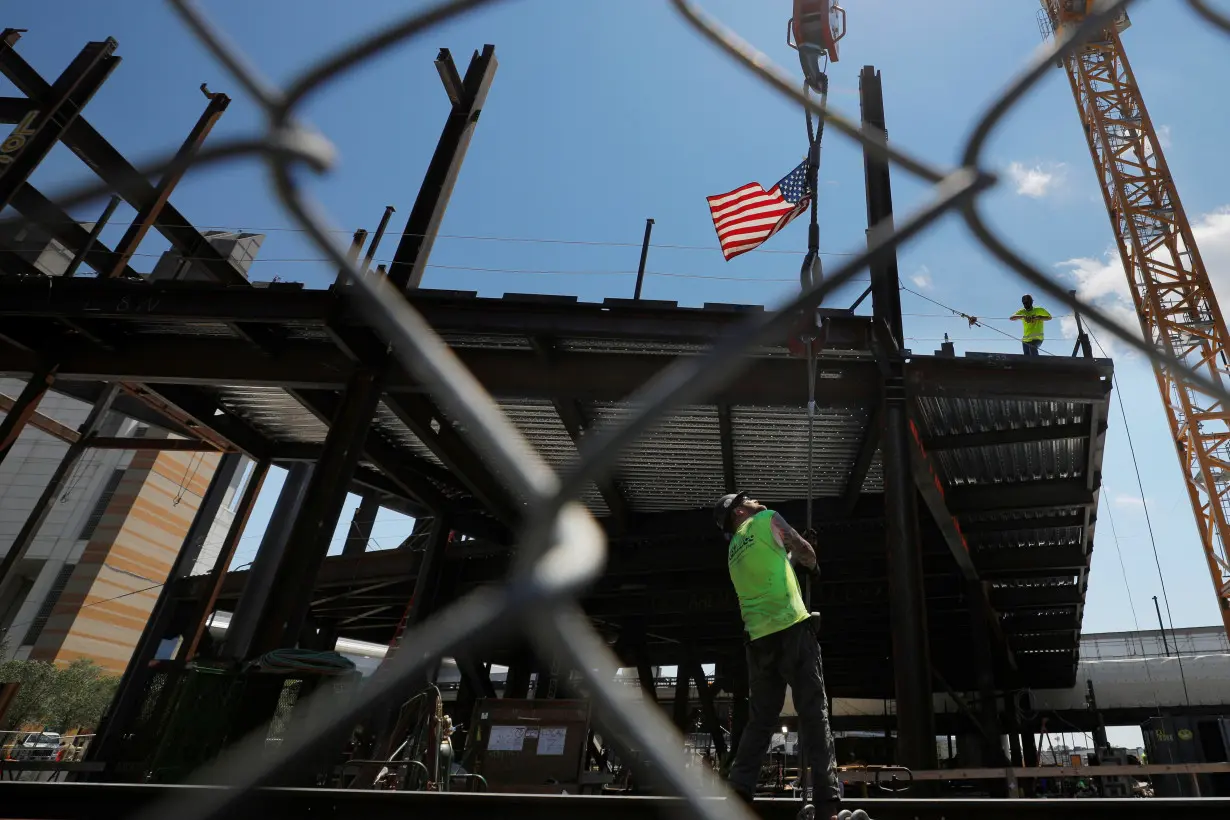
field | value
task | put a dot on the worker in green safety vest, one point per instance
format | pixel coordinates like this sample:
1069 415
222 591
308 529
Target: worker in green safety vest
1032 319
782 648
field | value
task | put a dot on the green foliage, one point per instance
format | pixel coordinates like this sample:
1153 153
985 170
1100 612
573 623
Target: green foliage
59 698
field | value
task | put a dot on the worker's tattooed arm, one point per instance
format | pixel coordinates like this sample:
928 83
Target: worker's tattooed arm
795 544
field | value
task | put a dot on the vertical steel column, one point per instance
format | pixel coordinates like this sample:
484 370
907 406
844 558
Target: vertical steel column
984 665
264 569
360 532
204 607
24 408
683 694
149 214
410 260
708 708
34 137
38 515
313 527
131 691
907 595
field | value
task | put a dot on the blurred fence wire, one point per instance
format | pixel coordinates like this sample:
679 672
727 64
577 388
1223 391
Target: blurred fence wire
561 548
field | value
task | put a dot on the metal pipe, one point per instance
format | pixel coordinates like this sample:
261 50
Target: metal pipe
352 255
84 250
640 274
380 229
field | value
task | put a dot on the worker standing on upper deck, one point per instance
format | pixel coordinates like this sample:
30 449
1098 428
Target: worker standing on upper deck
1033 319
781 643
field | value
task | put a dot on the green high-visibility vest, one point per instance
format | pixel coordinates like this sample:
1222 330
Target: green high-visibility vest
765 583
1032 321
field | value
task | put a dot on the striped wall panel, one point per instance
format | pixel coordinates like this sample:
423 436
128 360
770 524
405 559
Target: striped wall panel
112 592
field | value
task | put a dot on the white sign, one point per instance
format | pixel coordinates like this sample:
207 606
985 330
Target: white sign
551 740
506 739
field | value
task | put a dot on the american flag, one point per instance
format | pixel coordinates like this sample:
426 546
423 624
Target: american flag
747 216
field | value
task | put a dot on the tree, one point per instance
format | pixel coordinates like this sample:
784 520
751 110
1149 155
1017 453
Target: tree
59 698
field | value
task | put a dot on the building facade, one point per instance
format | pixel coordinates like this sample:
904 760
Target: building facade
91 577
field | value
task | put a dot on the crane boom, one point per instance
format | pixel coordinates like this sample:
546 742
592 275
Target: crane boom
1174 300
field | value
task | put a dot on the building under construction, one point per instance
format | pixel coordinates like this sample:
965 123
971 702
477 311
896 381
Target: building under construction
955 497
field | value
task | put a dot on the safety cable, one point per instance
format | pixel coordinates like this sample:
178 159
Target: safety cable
974 321
1157 701
1140 484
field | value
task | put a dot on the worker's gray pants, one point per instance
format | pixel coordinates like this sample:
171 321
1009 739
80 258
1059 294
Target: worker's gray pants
790 657
1032 348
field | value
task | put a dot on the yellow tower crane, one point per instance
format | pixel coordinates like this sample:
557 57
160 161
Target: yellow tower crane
1175 303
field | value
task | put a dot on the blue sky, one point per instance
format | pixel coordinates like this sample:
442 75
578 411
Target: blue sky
603 114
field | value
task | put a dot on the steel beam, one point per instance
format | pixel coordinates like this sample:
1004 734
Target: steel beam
425 420
408 472
907 593
996 438
152 208
1037 597
125 180
29 531
1012 561
52 800
40 210
410 259
19 412
867 450
203 607
288 605
133 684
1026 495
931 489
259 580
42 127
1015 378
360 532
14 109
173 445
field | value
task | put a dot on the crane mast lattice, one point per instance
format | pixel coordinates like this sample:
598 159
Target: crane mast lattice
1170 286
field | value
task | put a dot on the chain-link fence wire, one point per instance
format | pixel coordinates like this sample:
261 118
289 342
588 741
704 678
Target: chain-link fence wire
561 548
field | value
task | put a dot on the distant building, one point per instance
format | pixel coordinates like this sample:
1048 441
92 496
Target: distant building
89 581
87 584
239 248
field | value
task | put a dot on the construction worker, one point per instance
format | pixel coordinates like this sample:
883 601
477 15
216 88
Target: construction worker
781 644
1032 319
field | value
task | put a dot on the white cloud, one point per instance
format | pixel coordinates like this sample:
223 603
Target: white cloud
1102 283
922 278
1212 232
1164 137
1038 180
1129 501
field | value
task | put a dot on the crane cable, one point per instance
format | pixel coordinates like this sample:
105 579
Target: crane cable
809 276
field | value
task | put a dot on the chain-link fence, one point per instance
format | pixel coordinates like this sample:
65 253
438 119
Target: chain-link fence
561 548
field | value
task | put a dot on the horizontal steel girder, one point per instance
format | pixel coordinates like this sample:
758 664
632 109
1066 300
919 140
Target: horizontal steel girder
115 801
